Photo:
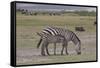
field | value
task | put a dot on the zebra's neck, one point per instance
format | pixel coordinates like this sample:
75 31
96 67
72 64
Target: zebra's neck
75 40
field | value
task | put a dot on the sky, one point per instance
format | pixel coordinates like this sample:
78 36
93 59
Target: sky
43 7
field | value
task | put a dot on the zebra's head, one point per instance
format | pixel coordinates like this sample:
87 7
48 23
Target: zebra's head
78 48
77 43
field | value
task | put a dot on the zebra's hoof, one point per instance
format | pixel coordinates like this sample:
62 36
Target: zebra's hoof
79 53
49 54
43 54
67 54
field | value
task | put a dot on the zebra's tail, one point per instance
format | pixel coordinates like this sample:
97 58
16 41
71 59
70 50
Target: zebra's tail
38 45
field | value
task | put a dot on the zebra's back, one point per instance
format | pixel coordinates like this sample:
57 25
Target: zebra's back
69 35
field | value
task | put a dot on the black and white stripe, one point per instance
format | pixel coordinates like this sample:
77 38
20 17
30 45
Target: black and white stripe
53 30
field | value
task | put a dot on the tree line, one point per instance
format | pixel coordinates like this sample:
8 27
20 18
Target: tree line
54 13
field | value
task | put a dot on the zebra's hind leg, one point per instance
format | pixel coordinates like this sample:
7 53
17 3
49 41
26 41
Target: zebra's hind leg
47 49
66 44
39 43
62 49
42 49
54 48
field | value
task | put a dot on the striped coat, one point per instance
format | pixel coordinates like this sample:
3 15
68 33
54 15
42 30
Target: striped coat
69 36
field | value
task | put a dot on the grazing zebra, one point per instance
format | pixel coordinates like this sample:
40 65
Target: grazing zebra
47 39
69 36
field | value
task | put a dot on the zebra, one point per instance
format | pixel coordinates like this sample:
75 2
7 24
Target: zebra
48 38
69 36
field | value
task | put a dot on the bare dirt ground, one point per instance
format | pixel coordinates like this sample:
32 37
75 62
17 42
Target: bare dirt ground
33 55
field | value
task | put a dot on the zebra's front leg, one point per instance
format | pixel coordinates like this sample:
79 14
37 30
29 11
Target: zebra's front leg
47 49
54 48
66 44
42 49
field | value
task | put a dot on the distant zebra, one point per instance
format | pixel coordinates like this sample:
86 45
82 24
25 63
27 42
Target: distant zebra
69 36
47 39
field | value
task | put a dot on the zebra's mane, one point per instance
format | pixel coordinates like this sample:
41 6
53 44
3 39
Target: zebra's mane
77 38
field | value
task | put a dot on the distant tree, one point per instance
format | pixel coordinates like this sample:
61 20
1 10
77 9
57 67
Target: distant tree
85 13
18 10
35 13
31 13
